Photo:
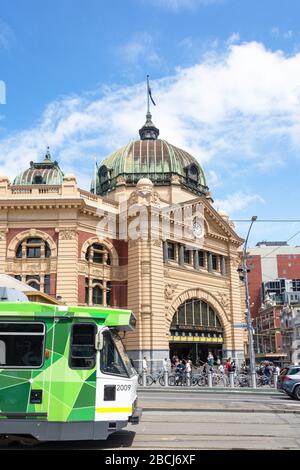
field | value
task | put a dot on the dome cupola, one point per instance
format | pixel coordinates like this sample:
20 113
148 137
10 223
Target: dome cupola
45 172
151 158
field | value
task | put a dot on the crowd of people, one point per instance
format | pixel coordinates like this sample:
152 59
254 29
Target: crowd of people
184 366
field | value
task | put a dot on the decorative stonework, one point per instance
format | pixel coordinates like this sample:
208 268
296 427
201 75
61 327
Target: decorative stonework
170 290
121 180
11 250
175 179
235 262
133 243
224 300
68 234
133 198
201 294
157 243
145 267
2 236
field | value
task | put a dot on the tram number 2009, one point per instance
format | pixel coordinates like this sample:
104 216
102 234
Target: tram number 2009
123 388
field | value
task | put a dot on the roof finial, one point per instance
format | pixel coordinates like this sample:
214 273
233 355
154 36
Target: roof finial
48 155
149 131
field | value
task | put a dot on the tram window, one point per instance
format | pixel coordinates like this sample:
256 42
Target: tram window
21 345
82 349
110 359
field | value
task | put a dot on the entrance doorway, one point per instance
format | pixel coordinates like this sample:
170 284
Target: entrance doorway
195 331
196 352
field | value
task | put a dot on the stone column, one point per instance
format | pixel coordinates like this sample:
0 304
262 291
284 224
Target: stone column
223 266
196 260
209 262
67 265
181 255
2 250
165 252
104 292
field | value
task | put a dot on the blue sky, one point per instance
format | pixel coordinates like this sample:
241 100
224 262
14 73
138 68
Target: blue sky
225 75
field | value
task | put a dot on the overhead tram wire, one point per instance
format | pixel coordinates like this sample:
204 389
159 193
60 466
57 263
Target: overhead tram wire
267 220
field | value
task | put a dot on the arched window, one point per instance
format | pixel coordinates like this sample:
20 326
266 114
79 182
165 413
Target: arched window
34 284
98 254
195 313
97 292
38 179
33 248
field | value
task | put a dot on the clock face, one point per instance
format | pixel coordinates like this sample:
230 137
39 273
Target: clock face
198 229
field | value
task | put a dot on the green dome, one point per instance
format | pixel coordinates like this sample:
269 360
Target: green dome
45 172
152 158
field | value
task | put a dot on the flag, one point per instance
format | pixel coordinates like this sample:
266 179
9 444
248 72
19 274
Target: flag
150 94
149 91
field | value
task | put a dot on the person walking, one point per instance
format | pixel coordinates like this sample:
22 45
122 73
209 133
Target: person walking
210 359
188 369
165 365
227 365
145 364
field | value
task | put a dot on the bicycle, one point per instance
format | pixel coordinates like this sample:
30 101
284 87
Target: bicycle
242 380
149 379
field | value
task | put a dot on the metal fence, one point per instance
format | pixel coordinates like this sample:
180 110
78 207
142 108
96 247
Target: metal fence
209 379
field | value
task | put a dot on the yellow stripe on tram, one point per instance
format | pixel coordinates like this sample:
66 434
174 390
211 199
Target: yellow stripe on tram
114 410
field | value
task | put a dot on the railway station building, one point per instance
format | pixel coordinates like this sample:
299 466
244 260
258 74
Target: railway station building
145 236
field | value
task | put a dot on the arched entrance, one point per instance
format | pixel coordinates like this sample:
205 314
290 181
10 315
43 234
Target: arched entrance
195 330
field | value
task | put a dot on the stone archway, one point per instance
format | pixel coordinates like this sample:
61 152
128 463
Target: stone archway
11 249
106 243
197 334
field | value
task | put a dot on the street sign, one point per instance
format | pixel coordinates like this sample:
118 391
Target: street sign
240 325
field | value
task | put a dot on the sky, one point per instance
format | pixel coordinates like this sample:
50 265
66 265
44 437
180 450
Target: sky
225 76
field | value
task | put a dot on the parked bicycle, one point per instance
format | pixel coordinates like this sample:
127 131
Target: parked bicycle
152 379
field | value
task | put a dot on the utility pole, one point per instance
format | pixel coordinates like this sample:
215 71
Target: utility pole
248 312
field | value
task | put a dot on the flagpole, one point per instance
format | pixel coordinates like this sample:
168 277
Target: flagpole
148 95
95 175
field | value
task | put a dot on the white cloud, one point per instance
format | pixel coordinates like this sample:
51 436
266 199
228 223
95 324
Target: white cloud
6 36
237 109
237 201
277 33
139 49
177 5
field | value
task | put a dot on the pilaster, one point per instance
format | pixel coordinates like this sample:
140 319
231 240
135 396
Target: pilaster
67 265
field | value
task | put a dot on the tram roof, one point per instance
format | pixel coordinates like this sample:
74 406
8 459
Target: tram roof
104 315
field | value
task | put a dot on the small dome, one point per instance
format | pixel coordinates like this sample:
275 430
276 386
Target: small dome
154 159
45 172
144 182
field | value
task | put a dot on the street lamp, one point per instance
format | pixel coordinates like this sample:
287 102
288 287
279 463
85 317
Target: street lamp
248 312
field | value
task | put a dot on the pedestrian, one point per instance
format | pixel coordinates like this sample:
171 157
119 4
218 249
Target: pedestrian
227 365
145 364
188 368
210 359
232 367
165 365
